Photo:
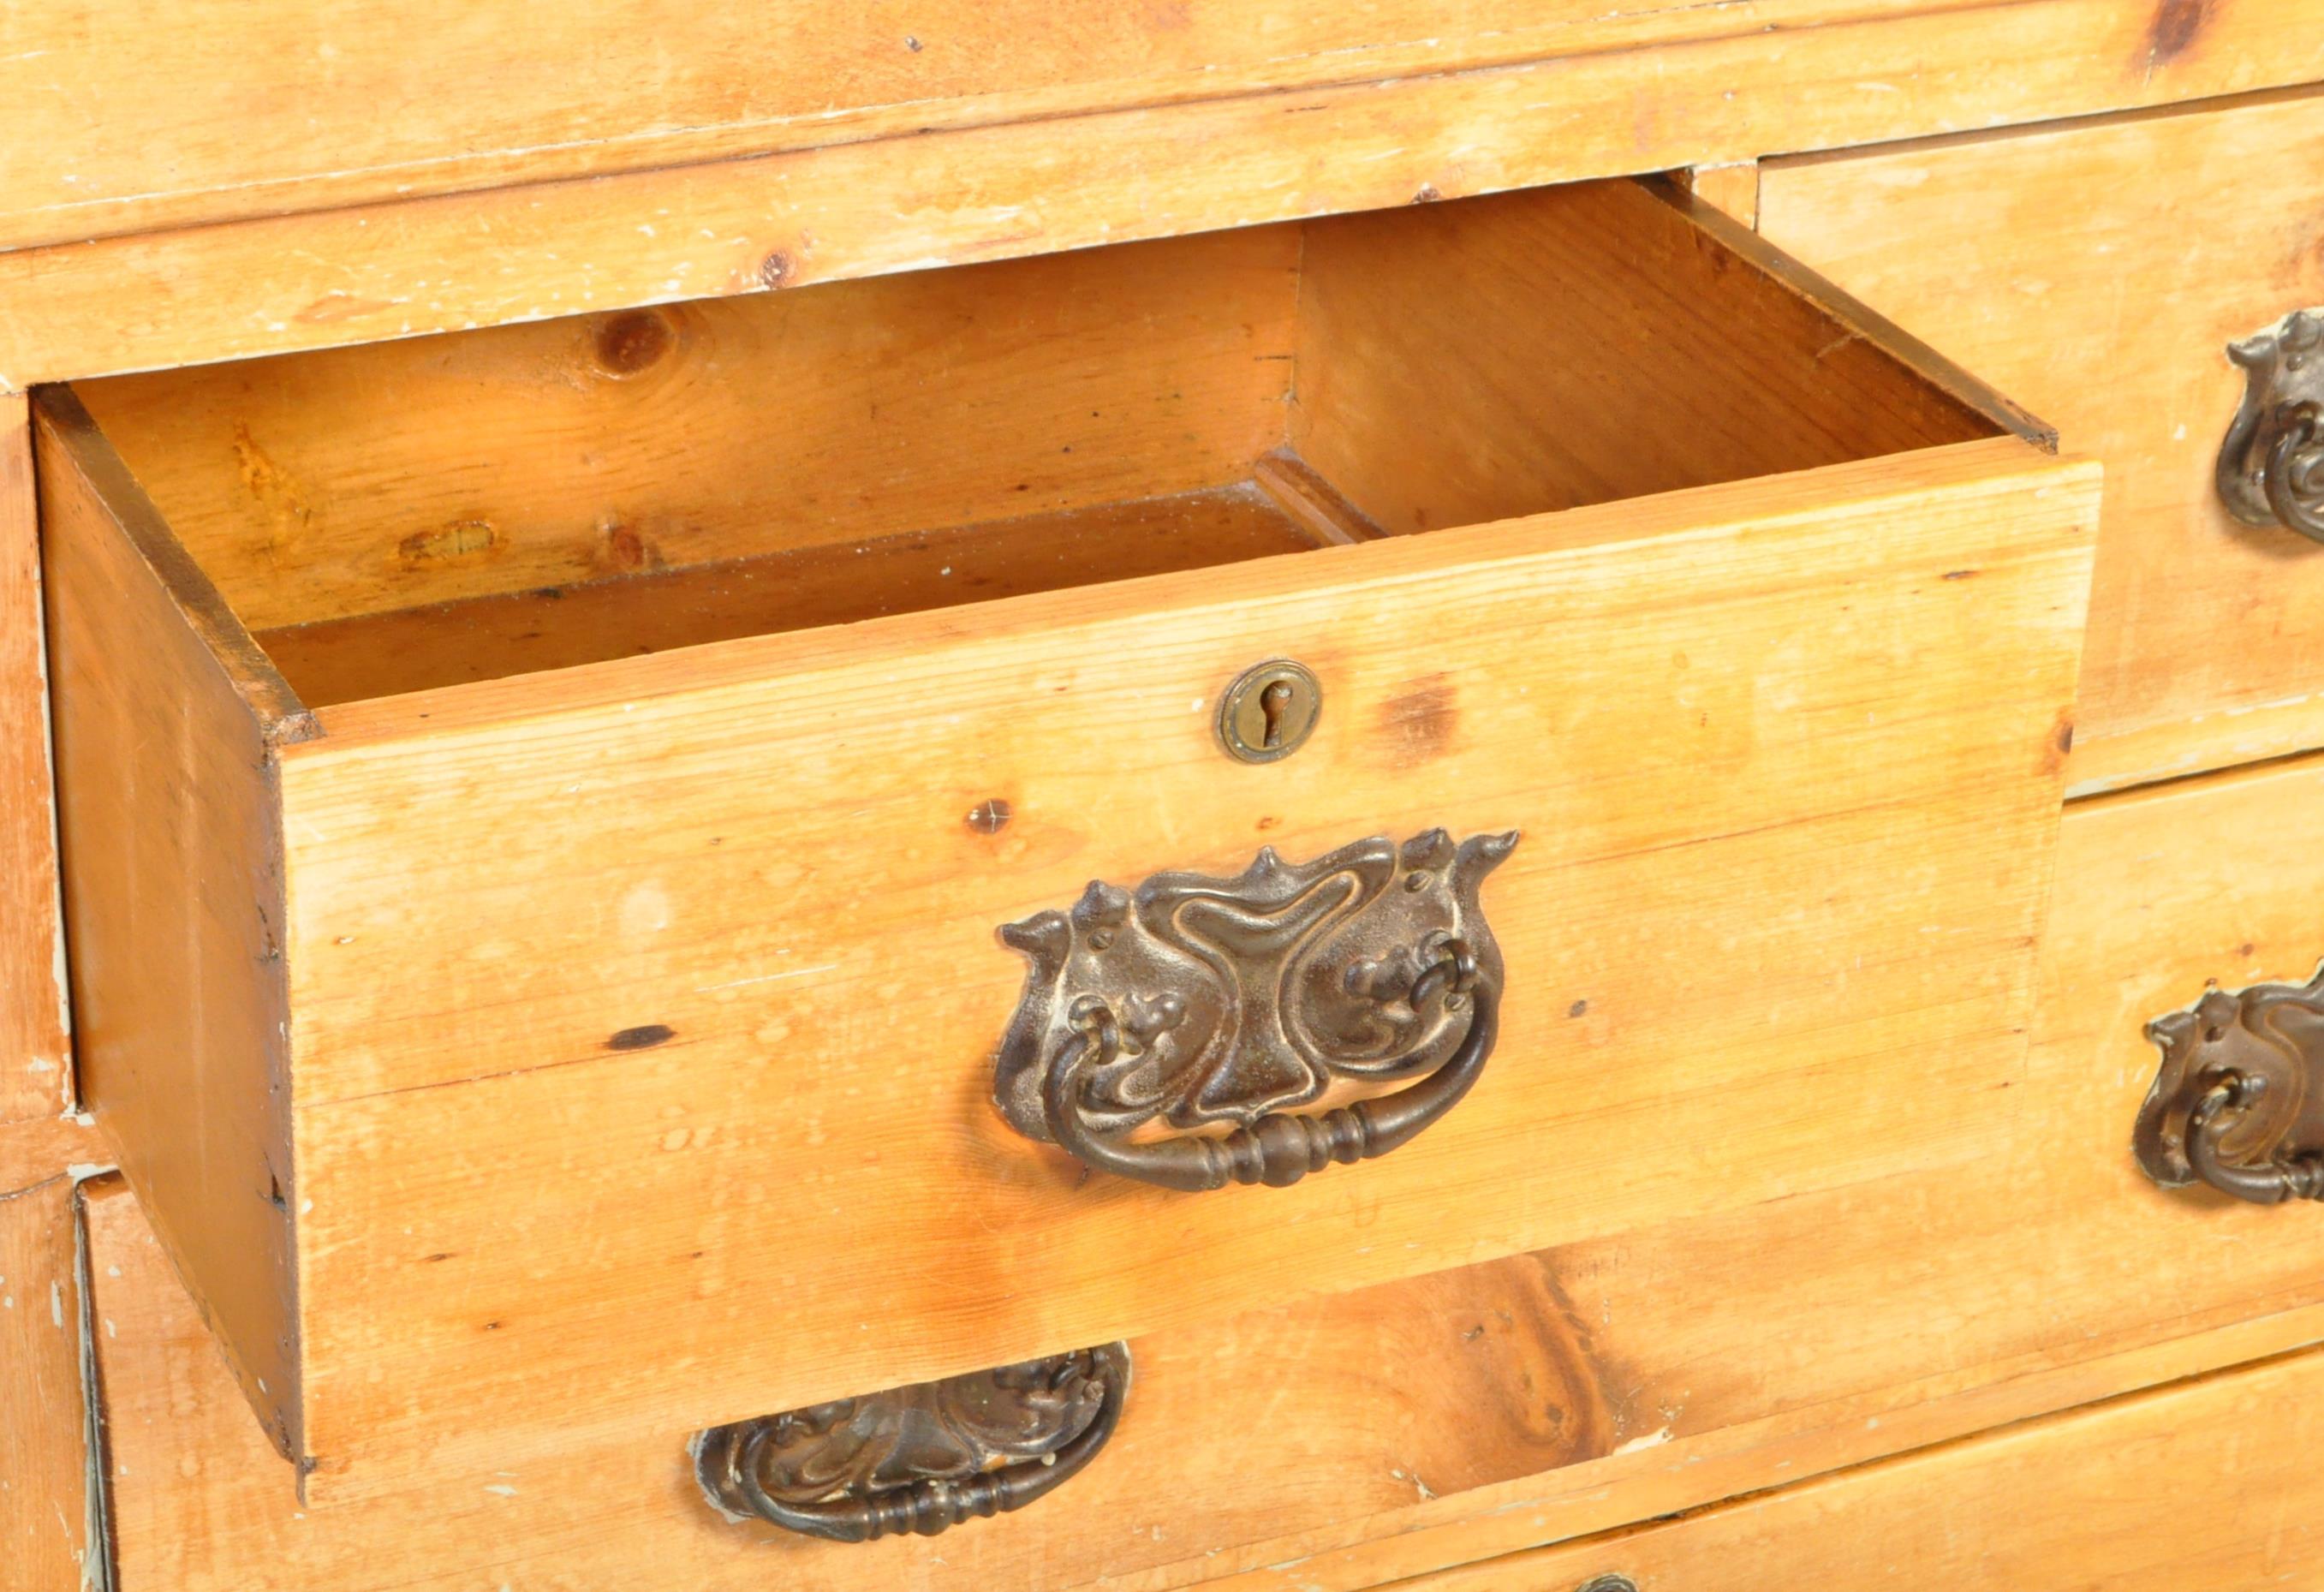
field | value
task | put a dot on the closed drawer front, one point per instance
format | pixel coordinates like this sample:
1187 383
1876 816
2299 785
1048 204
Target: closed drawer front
2099 272
2070 1502
1479 1412
541 970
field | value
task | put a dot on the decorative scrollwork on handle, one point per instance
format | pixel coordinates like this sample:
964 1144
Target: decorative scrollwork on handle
1203 1004
2271 469
2237 1104
920 1458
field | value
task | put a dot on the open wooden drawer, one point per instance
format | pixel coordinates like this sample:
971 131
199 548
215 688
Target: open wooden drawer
537 804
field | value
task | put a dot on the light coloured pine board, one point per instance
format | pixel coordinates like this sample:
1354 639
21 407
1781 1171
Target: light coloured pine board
1885 742
2145 244
1563 1395
1733 188
364 480
44 1540
2067 1501
294 109
556 627
1632 356
35 1149
35 1052
1737 89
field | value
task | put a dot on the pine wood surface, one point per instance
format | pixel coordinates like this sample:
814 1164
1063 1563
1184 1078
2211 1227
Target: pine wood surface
2065 1502
1686 86
365 480
2143 245
44 1470
1836 762
523 460
1567 1392
1884 743
35 1053
380 654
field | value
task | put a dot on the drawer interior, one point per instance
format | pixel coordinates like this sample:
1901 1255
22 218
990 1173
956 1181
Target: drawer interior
406 515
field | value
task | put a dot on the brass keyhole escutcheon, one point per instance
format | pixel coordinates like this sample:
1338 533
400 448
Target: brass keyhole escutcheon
1270 711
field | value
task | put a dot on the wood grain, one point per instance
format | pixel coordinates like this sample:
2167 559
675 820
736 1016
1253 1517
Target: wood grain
556 627
1884 743
167 721
2069 1501
44 1468
1716 83
1733 188
1625 353
152 126
36 1052
34 1148
1299 1446
2145 244
370 479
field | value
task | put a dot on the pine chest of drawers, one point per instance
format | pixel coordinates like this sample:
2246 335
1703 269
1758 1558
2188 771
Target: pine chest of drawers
1195 796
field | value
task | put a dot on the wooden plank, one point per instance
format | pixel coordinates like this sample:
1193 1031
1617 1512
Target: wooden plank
37 1148
1533 1375
44 1539
386 269
1627 359
152 126
453 979
2145 244
557 627
36 1052
363 480
166 716
1270 1451
2069 1501
1732 189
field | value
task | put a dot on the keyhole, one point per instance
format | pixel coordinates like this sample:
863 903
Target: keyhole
1274 701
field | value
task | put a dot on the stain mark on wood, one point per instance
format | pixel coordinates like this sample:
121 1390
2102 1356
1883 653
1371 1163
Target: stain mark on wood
776 269
643 1037
1577 1008
2177 24
461 539
1418 722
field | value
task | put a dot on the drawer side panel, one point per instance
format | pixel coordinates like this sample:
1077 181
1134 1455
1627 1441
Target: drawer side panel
169 825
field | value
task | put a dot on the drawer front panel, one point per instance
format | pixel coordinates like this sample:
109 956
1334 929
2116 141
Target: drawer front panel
2098 272
645 1043
2075 1501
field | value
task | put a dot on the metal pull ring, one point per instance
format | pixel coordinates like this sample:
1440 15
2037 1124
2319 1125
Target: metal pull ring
1214 1006
2234 1105
2271 468
921 1459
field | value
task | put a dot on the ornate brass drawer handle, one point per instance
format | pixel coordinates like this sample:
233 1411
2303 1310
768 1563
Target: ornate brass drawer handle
2271 469
920 1458
2236 1104
1199 1003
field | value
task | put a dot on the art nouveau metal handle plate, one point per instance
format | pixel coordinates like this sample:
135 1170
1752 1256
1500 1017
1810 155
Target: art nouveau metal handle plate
2271 469
2237 1103
920 1458
1194 1005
